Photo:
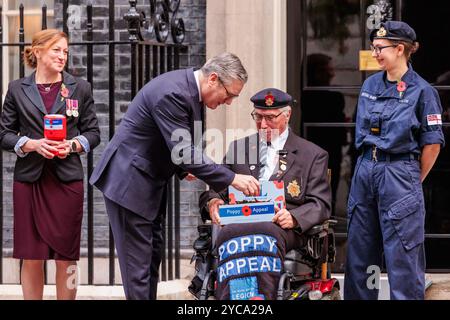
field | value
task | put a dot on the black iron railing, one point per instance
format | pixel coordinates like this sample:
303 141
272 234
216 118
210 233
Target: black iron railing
149 58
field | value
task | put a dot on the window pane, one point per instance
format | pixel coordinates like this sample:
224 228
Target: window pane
32 24
333 30
435 251
436 189
431 60
29 4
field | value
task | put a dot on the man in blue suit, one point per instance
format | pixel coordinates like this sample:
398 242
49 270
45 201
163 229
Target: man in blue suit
143 155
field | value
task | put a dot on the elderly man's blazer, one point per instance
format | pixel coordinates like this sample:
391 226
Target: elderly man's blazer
23 115
307 191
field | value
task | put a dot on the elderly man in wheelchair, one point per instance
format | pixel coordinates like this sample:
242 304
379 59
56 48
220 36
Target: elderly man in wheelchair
285 258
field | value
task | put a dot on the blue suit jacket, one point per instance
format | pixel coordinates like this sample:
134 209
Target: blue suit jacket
136 165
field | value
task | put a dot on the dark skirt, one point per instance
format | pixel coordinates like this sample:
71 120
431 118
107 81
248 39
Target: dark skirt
47 218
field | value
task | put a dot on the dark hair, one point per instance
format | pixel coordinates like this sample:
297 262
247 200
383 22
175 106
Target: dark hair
42 40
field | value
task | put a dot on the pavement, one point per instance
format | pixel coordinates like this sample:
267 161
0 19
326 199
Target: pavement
440 288
167 290
175 289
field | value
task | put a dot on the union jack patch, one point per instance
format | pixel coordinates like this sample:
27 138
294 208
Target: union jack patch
434 119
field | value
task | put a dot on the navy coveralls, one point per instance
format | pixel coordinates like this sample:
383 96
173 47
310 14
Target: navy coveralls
386 210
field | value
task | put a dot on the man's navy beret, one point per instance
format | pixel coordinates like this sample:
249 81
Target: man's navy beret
271 98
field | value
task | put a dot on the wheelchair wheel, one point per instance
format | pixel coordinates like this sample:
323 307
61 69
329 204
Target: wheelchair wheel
284 286
333 295
208 286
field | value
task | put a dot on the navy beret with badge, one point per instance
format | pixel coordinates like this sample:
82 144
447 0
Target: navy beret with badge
271 98
394 30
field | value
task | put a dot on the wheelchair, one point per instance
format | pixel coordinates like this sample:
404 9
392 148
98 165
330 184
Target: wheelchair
305 274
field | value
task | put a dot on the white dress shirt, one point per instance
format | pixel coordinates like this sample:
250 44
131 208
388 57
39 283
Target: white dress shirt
271 164
197 80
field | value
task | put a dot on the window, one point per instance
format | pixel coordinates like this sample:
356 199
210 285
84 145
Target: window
11 24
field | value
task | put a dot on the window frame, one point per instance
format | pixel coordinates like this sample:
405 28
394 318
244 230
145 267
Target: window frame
7 15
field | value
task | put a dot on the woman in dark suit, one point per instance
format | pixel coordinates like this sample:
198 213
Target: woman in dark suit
48 175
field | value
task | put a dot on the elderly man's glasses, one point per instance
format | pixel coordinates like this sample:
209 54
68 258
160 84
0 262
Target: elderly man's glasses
378 49
269 118
229 94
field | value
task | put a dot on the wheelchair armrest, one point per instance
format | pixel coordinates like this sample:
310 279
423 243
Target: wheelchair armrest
321 227
332 222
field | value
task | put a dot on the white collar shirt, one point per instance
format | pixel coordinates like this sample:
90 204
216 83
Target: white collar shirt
268 168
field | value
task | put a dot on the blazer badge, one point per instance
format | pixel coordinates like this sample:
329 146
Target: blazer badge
293 189
381 32
269 99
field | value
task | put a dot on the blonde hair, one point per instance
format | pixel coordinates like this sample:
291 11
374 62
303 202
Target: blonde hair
410 48
42 40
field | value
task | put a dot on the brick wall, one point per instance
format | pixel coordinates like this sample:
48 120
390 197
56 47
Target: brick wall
193 13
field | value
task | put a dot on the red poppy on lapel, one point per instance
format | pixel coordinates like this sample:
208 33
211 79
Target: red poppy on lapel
64 91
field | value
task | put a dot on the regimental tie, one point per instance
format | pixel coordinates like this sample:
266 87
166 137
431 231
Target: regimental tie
263 165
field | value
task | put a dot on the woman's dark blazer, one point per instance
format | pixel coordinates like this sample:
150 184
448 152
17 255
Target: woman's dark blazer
23 115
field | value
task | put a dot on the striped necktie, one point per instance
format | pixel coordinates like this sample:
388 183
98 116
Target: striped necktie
263 164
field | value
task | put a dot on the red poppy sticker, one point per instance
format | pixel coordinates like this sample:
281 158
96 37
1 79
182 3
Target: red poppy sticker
278 184
232 198
64 91
401 86
246 210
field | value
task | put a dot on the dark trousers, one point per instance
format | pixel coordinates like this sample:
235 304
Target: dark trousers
138 243
386 214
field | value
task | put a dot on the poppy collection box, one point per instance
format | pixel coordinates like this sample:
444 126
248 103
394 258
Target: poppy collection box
248 209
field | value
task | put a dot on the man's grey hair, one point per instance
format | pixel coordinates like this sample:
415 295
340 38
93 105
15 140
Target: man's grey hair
285 110
227 66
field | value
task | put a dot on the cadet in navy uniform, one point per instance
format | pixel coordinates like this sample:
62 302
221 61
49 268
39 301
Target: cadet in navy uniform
399 135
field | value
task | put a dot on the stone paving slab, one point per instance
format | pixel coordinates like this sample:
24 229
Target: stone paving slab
440 288
167 290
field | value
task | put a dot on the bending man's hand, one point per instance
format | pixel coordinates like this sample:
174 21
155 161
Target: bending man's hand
247 184
213 208
284 219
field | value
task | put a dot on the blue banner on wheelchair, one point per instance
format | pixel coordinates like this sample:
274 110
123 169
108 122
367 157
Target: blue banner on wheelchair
245 289
248 265
248 243
250 261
